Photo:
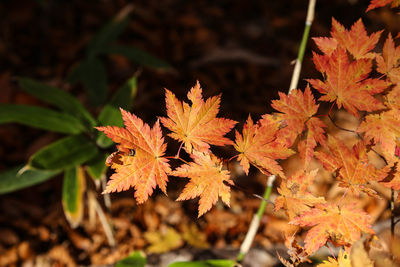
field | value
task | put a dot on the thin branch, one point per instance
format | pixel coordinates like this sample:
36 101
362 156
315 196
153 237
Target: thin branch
392 223
340 127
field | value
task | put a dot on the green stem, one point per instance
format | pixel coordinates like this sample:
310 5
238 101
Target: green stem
255 223
297 68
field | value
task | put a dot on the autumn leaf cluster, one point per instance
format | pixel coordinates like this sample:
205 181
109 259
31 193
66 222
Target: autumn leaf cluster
354 77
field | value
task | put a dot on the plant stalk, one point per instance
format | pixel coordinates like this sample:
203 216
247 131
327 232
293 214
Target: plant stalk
297 68
255 223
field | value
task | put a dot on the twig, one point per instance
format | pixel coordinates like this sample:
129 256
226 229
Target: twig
392 223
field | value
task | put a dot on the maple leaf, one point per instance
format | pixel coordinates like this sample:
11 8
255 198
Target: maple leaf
343 260
355 40
380 3
354 169
197 125
346 82
294 196
297 111
206 180
388 62
326 44
383 129
147 168
340 224
258 146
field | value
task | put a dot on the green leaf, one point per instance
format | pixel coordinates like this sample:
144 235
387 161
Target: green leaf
137 55
105 36
10 180
63 154
74 186
96 167
93 76
135 259
41 118
125 94
206 263
58 98
111 115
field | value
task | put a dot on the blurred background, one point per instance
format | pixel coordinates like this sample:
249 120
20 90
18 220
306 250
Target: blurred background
242 49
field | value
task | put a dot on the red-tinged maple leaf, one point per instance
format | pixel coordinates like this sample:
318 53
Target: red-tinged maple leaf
355 40
380 3
352 166
206 180
340 224
196 125
297 111
314 134
148 167
258 146
388 62
326 44
346 82
383 129
294 195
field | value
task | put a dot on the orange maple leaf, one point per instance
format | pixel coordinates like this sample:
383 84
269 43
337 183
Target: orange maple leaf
388 62
206 180
297 111
383 129
346 82
197 125
380 3
148 167
294 196
326 44
340 224
258 146
353 167
355 40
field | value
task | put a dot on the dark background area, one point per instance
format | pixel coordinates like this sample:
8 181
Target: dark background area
200 39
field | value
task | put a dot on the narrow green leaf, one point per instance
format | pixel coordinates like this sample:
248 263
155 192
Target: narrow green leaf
105 36
10 180
41 118
111 115
137 55
58 98
96 167
206 263
93 76
65 153
74 186
125 94
135 259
